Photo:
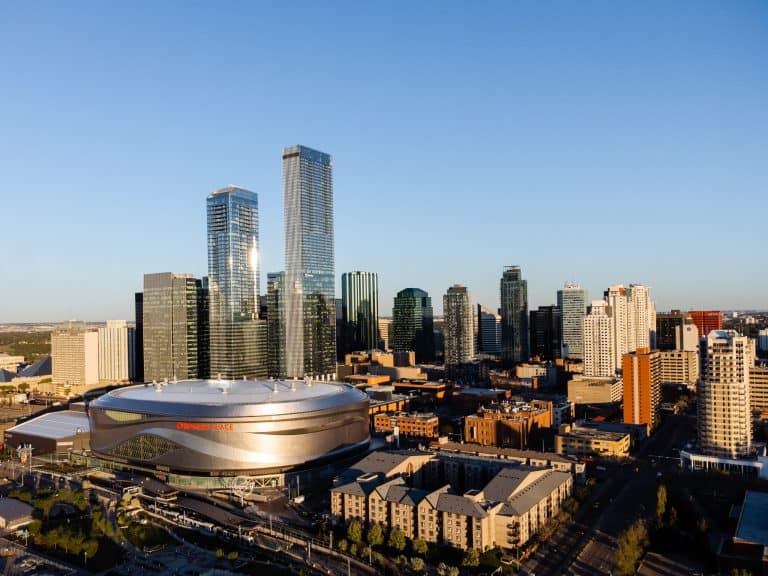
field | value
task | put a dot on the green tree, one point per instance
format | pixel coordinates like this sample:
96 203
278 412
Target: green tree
396 540
442 569
453 571
355 532
417 564
219 553
232 556
375 536
343 545
420 546
471 558
661 502
631 547
353 549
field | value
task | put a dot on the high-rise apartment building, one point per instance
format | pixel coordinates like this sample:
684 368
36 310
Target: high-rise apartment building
116 351
276 324
599 357
138 356
643 311
707 320
572 301
238 335
175 327
310 314
488 331
544 326
641 372
668 327
458 326
514 316
360 310
622 322
413 324
75 358
724 418
385 333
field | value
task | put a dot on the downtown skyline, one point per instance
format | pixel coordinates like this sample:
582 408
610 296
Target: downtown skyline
451 162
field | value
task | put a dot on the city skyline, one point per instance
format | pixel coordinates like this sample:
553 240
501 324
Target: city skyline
676 128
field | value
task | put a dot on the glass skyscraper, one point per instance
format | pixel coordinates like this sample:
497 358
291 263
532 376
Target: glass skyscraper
572 301
458 326
310 308
413 324
360 310
237 334
514 317
276 324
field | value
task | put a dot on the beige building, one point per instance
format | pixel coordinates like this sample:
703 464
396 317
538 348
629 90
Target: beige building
724 416
679 366
578 441
10 363
758 388
115 351
508 423
75 357
502 504
594 390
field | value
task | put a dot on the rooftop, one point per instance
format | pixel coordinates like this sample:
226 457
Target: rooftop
11 509
753 522
55 425
594 433
481 450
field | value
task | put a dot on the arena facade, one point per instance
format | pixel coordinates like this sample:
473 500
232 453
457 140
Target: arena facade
229 428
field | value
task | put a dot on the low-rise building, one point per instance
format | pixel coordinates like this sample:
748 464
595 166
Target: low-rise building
579 441
595 390
508 423
679 367
419 425
10 363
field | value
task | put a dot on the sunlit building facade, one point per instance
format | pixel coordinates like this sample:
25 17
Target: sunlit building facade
572 301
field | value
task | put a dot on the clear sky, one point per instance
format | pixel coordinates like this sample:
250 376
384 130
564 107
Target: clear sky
613 142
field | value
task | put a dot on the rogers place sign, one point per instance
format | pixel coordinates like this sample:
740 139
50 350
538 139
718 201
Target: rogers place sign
205 426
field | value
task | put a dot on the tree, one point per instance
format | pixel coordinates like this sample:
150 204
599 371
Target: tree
417 564
471 558
631 547
420 546
661 502
442 569
353 549
219 553
453 571
396 540
232 555
354 532
375 536
343 545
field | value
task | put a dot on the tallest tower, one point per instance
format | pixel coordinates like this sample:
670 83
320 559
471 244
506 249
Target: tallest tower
310 313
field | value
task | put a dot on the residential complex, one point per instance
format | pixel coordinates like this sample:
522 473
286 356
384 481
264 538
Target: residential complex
415 424
572 302
641 374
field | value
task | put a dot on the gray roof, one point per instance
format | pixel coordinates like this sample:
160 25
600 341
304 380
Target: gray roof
56 425
401 494
531 495
6 375
42 367
381 462
13 510
753 522
507 480
433 497
480 450
356 488
456 504
383 489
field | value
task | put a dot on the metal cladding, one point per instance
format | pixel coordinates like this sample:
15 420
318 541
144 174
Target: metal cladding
227 427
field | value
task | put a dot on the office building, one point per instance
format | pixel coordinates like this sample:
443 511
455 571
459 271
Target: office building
413 324
641 374
668 329
514 316
598 341
594 390
580 441
572 302
707 320
459 326
310 314
385 333
138 345
762 340
724 418
545 326
75 358
238 345
415 424
622 329
276 325
488 331
116 345
175 332
360 310
679 367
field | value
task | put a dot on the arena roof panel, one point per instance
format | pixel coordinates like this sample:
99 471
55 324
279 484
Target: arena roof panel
54 425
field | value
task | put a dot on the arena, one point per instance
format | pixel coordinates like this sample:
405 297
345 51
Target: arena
229 428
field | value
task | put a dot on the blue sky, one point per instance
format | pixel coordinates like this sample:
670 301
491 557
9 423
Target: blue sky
598 142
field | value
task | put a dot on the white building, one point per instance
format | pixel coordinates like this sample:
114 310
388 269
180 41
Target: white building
599 341
724 418
116 342
75 358
643 312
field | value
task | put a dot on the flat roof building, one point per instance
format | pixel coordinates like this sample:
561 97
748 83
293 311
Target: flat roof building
595 390
55 432
578 441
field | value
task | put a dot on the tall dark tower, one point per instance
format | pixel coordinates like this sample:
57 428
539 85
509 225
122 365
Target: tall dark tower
514 317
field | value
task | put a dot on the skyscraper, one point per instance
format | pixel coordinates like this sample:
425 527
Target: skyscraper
237 334
174 327
458 326
488 331
724 418
707 320
668 325
360 309
310 327
641 373
572 301
276 324
75 358
413 324
622 322
514 316
644 316
544 327
116 343
599 359
138 350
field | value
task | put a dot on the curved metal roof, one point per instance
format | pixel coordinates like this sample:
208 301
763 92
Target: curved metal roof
232 398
